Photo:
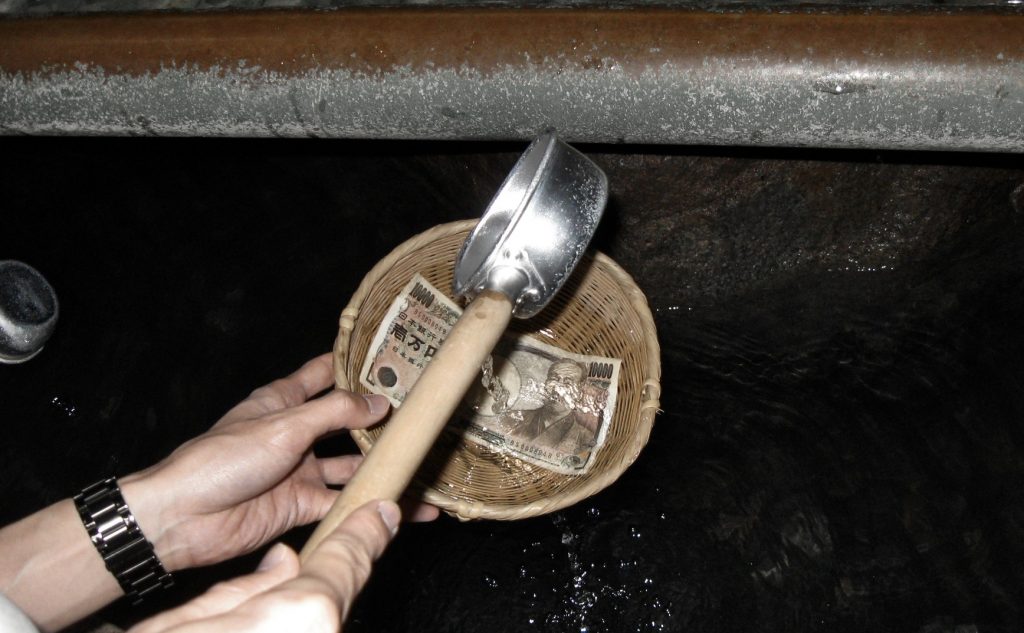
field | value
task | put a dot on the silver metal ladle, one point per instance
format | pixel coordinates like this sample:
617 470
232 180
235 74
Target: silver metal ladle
522 251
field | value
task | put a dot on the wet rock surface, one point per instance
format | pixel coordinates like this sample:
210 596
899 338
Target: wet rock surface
840 448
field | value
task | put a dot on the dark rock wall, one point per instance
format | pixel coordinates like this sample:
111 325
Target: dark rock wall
841 447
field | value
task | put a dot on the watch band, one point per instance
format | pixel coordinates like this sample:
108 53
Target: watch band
117 537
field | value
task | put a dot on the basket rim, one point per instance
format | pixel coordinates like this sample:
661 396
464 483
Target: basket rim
466 510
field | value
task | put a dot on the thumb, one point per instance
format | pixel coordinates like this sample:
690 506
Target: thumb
341 564
280 564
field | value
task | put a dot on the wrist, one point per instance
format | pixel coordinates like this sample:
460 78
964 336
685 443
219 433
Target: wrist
115 534
158 522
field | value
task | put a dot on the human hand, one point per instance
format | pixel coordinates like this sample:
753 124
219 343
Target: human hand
253 475
282 597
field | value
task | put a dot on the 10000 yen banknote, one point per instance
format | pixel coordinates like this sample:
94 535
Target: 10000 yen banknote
412 331
534 401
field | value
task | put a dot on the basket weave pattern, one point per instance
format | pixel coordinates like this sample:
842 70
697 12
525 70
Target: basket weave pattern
599 311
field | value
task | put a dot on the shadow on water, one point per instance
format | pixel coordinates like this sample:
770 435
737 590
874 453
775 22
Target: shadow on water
840 448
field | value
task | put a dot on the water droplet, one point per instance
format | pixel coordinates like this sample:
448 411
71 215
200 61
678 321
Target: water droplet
585 600
65 407
577 581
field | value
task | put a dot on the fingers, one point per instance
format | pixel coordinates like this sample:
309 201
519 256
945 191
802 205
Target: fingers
314 376
341 564
349 410
297 428
336 471
279 564
280 596
417 511
291 397
309 380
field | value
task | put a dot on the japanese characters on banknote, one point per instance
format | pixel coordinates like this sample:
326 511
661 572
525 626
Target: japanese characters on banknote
534 401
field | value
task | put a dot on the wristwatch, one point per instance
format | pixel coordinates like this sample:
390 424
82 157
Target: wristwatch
117 537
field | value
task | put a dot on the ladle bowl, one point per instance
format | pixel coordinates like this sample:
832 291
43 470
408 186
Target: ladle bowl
536 228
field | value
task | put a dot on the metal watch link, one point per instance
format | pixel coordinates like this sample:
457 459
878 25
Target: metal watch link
119 540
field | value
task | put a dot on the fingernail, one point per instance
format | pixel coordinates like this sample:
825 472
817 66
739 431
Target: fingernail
378 404
273 558
390 514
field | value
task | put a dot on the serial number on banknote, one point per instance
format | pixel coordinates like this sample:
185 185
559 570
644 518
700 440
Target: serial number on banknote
533 401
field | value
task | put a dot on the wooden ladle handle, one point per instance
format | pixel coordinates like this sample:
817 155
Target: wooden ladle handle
410 433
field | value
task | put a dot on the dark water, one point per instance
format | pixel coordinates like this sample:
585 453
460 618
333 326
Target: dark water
841 447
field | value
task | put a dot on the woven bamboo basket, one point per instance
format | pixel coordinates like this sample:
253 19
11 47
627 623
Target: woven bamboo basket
600 311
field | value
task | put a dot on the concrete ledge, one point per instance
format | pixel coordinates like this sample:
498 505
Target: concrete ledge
867 79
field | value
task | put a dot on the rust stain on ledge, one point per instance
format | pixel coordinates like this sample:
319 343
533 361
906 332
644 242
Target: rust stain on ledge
375 41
